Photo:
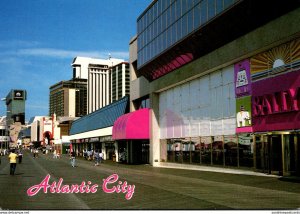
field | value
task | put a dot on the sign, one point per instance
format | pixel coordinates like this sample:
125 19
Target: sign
94 139
243 111
276 103
18 95
242 78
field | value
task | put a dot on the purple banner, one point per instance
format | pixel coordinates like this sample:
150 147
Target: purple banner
242 78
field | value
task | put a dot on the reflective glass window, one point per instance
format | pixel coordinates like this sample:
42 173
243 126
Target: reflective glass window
219 6
211 8
217 150
206 144
190 26
184 25
186 150
190 4
195 149
169 17
245 150
159 25
169 37
164 21
230 150
227 3
155 10
179 30
184 6
196 16
164 38
173 31
203 8
170 151
159 6
178 8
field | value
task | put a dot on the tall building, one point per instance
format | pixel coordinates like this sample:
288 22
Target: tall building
15 102
99 79
15 116
120 81
69 98
211 84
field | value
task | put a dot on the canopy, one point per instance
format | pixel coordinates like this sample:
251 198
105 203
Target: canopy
134 125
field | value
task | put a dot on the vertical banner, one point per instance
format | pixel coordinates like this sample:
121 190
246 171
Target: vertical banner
243 114
242 78
243 91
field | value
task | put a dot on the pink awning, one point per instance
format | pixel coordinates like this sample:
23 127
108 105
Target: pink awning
134 125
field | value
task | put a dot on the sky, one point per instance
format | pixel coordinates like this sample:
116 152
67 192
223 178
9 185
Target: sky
40 38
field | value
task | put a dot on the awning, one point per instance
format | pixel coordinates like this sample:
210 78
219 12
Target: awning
134 125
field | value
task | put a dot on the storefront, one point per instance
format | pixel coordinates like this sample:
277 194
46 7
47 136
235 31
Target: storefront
131 131
276 123
93 132
268 101
197 122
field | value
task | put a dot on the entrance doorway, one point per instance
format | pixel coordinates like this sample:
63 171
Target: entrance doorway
269 154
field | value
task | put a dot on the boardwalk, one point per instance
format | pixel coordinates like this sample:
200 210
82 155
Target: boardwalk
155 188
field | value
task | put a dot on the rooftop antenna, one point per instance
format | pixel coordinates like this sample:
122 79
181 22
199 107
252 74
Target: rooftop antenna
109 56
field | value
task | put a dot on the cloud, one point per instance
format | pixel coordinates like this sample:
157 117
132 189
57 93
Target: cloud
37 107
59 53
18 43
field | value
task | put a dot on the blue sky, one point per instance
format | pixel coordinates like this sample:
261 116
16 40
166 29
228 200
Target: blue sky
40 38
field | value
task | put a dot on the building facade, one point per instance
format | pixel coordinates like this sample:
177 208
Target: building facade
15 103
211 85
120 81
93 132
15 116
99 80
68 98
4 138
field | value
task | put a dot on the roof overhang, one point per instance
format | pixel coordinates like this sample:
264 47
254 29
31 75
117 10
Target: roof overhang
134 125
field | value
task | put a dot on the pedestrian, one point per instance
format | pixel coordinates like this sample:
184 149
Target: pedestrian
72 158
54 154
96 158
89 155
13 161
85 154
100 157
36 153
20 156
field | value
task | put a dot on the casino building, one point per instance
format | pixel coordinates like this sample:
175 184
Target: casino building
224 78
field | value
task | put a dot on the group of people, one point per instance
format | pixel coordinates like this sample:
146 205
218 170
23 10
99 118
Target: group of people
88 155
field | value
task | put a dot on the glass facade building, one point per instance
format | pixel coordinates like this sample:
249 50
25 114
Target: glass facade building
166 22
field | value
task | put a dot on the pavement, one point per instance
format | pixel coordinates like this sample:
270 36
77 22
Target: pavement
155 188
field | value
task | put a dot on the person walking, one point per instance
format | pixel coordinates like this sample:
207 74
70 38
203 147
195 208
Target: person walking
100 157
20 156
72 158
85 154
54 154
96 158
13 161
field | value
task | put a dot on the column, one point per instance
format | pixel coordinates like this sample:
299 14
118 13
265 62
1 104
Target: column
154 129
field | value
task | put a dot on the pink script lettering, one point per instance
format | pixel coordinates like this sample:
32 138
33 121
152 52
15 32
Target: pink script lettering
120 187
84 187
